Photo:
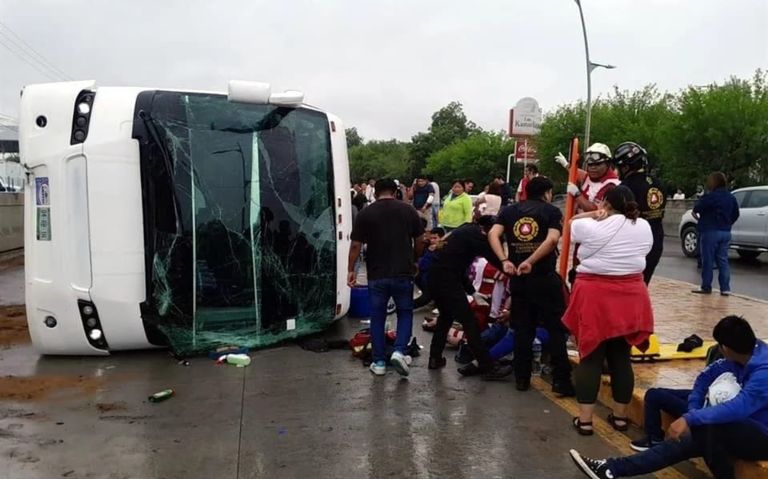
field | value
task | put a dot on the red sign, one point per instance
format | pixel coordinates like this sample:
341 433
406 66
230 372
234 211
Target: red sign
526 152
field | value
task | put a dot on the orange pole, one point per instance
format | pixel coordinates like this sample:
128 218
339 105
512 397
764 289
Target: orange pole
573 174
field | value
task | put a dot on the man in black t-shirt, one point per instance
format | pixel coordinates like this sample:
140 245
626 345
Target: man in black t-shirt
447 281
392 230
537 292
631 160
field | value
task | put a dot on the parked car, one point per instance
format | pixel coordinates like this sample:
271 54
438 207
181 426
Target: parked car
749 236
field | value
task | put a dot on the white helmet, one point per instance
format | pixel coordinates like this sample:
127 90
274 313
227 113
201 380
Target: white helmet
597 153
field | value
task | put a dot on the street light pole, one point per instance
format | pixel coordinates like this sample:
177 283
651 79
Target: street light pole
590 67
589 75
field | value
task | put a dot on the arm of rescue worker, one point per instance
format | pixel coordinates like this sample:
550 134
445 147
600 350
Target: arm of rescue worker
547 246
481 246
494 239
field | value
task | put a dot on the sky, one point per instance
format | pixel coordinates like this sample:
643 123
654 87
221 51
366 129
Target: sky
385 67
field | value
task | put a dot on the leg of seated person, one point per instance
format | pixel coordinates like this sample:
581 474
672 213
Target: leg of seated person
655 459
722 443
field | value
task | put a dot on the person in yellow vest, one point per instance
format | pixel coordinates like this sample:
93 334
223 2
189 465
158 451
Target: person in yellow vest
457 208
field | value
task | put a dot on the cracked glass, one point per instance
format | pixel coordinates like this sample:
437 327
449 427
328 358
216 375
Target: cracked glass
239 230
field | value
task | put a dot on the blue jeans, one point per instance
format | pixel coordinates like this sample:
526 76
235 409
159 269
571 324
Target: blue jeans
435 209
713 248
380 290
671 401
717 444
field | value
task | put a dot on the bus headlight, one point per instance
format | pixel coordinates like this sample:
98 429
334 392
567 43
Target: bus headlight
91 322
50 321
95 334
87 310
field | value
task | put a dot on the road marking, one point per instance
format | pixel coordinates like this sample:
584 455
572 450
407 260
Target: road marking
601 427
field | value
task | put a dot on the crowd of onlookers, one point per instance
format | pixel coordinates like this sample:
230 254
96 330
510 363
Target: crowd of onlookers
488 248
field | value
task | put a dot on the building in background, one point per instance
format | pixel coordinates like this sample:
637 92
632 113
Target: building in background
11 173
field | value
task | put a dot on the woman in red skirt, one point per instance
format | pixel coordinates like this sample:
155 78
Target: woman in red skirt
610 309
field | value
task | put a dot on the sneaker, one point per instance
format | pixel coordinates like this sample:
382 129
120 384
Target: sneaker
437 363
593 468
379 368
642 445
408 359
400 363
701 291
725 293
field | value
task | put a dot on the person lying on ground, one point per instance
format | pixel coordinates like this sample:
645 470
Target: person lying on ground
720 433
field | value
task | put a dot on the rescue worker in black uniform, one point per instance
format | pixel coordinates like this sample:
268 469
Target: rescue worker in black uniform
631 160
537 293
448 282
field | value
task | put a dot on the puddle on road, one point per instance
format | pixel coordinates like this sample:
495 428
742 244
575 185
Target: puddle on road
13 326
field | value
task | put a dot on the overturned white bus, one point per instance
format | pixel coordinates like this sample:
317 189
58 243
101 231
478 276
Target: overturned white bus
180 218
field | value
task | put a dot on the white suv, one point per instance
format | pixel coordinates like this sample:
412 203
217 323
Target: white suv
749 236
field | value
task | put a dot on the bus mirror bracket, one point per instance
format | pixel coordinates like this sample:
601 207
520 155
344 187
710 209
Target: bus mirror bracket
249 92
261 94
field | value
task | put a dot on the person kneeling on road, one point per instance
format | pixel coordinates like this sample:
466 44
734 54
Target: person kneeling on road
726 430
447 284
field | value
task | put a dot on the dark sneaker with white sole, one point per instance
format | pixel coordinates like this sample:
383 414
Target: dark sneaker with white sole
642 445
593 468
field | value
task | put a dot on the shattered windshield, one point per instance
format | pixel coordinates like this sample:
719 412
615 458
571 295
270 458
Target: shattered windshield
239 234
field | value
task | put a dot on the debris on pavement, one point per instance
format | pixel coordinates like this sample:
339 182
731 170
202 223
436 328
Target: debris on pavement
223 351
161 396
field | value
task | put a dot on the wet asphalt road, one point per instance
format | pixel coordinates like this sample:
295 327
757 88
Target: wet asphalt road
291 414
749 278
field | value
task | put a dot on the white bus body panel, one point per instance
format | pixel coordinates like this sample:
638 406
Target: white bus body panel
115 206
343 209
52 267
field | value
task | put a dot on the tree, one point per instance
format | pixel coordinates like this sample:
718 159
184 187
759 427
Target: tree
638 116
479 156
353 137
377 159
449 124
720 128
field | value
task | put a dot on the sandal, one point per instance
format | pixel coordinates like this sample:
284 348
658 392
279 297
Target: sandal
581 425
615 420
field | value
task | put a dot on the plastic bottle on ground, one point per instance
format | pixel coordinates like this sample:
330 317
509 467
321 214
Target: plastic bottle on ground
240 360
